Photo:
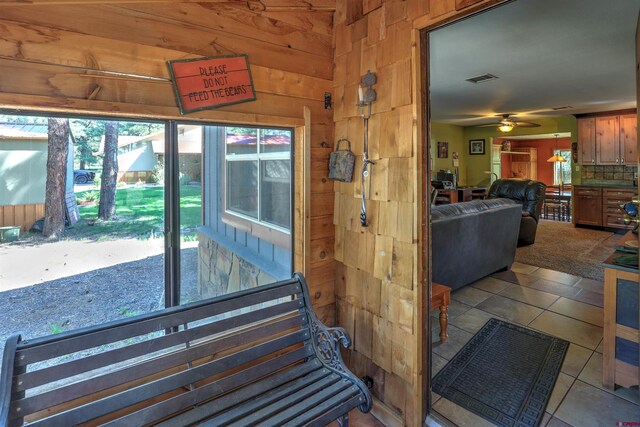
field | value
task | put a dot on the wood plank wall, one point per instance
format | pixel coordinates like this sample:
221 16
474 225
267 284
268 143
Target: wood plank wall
379 291
96 56
108 57
21 215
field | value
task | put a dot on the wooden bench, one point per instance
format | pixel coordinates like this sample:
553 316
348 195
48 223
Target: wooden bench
255 357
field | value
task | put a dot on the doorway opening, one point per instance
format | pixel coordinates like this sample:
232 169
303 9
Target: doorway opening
466 148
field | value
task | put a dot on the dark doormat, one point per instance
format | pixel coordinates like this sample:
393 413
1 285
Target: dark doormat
505 374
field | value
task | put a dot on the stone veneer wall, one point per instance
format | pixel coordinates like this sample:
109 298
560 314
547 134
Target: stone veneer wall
619 172
221 271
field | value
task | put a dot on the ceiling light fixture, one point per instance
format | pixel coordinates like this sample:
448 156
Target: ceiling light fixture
505 127
506 124
556 156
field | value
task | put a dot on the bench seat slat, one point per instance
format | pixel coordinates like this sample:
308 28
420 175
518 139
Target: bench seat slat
324 413
37 350
73 391
268 405
176 404
295 405
107 358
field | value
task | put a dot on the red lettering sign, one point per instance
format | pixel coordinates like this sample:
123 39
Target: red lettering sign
207 83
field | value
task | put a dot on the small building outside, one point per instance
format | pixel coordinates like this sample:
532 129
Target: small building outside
140 157
23 173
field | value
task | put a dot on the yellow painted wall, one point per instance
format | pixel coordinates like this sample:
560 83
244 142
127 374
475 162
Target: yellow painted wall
454 135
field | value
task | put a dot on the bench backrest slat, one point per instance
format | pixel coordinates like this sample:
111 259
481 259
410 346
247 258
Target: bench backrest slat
147 391
108 358
187 400
179 359
32 351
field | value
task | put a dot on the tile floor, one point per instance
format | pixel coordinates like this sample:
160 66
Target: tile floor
558 304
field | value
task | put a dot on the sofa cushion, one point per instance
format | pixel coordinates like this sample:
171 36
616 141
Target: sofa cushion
474 206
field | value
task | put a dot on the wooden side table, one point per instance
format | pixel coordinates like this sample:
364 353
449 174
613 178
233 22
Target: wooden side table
441 298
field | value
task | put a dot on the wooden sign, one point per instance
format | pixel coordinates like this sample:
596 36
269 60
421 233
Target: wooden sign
207 83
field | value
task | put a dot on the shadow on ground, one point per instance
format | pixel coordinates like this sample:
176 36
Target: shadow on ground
94 297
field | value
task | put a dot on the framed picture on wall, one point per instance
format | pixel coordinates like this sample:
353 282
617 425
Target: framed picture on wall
443 150
476 146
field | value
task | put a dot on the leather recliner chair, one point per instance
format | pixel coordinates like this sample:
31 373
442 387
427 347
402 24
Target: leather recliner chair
530 194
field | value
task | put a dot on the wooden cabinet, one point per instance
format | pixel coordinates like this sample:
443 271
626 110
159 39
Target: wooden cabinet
612 216
601 206
608 140
587 141
621 316
629 139
587 206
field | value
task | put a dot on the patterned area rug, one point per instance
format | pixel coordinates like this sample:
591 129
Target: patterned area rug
562 247
505 374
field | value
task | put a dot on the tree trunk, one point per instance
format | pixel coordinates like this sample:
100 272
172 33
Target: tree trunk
107 206
54 202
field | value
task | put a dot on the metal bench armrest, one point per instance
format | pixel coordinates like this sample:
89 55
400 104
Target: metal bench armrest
6 380
326 343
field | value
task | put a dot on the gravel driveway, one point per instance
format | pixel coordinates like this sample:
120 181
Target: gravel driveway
92 297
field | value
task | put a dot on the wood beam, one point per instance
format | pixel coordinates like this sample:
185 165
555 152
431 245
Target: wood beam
16 103
237 21
256 5
118 24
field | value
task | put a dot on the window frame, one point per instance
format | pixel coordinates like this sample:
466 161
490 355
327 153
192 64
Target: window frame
261 229
558 169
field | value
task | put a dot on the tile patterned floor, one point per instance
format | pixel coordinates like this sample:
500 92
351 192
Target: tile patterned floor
552 302
558 304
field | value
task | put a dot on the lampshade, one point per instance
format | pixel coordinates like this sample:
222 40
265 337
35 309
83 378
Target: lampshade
505 127
556 158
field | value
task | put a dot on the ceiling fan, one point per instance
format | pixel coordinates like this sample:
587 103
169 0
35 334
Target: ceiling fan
506 124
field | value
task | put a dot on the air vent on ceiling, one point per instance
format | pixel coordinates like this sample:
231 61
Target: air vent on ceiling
482 78
566 107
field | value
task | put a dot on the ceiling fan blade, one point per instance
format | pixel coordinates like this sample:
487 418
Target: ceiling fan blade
527 125
486 125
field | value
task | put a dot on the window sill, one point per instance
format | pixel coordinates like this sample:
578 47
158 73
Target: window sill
271 235
273 269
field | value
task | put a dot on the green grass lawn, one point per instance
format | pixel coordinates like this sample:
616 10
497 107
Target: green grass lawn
140 214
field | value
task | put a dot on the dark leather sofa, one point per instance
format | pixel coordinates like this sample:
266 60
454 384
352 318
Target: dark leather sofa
530 195
471 240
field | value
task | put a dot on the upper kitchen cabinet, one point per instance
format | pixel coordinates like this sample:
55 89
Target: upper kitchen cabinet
587 141
629 139
607 140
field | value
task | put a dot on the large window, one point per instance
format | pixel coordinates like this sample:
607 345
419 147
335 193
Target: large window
562 170
258 178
